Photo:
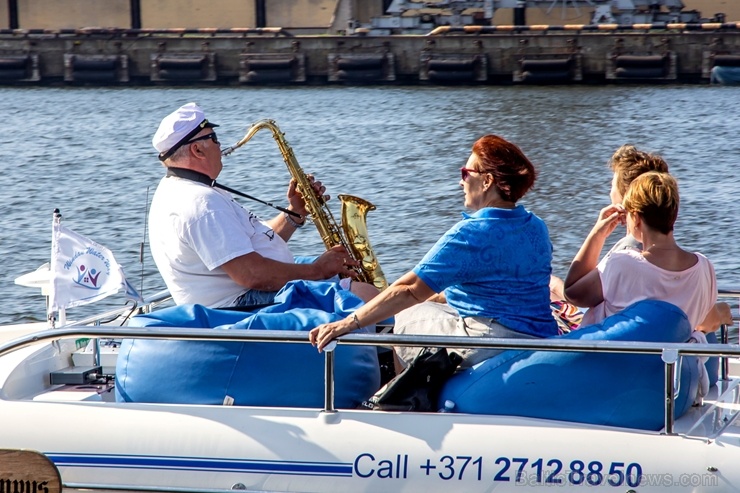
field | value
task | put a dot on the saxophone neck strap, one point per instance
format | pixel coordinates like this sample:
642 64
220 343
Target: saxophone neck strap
189 174
192 175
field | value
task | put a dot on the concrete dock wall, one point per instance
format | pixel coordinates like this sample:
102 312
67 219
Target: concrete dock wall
317 16
241 57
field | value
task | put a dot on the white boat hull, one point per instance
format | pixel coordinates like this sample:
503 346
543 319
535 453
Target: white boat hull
98 444
295 450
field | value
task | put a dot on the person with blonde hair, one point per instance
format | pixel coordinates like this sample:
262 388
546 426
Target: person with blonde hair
660 270
628 163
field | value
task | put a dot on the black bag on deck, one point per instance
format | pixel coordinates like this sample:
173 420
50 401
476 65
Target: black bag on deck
418 386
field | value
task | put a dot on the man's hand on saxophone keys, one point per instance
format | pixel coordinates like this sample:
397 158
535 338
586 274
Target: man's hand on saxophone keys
336 261
295 198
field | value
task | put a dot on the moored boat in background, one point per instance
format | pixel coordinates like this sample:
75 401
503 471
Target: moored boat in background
726 75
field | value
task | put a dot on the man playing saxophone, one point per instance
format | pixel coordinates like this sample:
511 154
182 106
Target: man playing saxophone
208 248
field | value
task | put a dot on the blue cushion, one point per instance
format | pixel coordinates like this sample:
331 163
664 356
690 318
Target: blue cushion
598 388
253 374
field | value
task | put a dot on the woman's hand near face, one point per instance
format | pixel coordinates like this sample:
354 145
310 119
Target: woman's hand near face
610 217
582 284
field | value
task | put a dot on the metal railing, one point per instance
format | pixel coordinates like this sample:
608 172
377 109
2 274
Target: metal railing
726 294
669 352
654 26
149 304
117 31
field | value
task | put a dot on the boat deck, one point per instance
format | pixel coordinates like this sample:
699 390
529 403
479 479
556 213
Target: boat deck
189 448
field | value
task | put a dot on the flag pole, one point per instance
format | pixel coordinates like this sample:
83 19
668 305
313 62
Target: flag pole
62 314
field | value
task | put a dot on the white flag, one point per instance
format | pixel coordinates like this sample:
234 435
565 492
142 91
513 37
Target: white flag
82 271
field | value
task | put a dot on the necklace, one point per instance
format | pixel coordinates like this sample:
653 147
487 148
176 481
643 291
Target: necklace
653 247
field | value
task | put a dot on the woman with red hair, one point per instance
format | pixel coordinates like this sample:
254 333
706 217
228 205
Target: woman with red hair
487 276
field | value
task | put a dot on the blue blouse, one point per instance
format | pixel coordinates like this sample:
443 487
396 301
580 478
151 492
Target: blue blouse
495 263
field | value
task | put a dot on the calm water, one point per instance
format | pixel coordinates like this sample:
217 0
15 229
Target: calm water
88 152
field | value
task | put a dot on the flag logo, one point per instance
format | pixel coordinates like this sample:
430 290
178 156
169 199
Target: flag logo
90 266
88 280
83 271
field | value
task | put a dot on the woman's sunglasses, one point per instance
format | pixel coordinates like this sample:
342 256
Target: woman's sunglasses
465 173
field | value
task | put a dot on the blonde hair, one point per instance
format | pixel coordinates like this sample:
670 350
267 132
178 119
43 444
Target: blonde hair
628 163
654 196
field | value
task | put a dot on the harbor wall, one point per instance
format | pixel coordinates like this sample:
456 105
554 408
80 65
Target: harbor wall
230 57
311 16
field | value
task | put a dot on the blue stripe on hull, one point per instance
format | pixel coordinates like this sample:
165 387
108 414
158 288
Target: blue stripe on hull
297 468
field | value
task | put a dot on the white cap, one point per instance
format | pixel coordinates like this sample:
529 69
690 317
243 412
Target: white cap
178 127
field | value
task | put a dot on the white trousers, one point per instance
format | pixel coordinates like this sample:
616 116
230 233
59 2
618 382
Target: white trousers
440 319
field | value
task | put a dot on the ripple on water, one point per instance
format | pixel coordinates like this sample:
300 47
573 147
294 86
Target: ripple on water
88 151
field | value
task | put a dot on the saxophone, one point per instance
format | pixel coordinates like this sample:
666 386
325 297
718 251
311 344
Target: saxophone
354 211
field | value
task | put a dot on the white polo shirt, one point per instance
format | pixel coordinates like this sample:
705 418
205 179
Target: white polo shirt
194 229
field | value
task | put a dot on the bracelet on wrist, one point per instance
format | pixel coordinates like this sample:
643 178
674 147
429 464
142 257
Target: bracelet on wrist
356 321
292 221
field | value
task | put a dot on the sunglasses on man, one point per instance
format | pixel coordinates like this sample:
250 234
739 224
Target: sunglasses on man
211 136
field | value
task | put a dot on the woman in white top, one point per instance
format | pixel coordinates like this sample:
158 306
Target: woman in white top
662 270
